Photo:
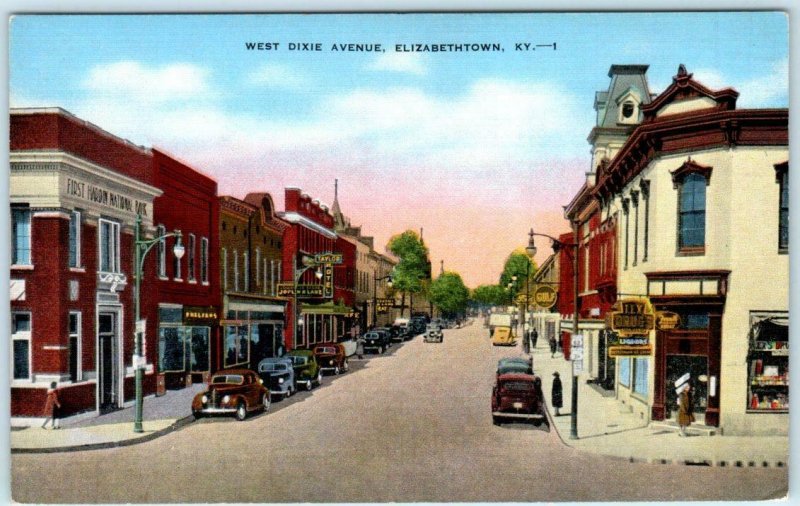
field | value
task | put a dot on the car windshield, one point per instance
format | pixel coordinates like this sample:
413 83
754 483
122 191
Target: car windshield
372 335
510 368
518 386
330 351
296 360
228 379
272 366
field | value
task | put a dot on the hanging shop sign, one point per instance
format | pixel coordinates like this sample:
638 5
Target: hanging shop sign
630 351
199 315
329 258
383 304
303 290
667 320
545 297
327 281
631 317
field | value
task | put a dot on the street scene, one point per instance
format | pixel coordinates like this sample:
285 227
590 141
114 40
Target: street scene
399 258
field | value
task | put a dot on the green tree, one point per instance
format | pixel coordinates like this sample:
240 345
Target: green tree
449 293
489 295
414 265
517 264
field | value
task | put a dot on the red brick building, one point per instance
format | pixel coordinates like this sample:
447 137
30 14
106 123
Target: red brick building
189 302
326 313
75 193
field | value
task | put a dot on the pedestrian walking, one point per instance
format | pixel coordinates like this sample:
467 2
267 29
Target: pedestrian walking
685 407
51 407
526 344
534 338
556 398
553 345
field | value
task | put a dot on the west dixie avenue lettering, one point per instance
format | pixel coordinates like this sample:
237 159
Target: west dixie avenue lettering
98 195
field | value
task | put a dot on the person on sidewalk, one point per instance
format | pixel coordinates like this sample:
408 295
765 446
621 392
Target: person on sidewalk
51 406
534 338
685 408
526 342
553 345
556 393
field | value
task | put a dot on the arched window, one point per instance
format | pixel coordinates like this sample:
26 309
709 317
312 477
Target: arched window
692 212
628 108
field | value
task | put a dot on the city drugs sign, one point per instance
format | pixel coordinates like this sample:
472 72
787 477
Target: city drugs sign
631 317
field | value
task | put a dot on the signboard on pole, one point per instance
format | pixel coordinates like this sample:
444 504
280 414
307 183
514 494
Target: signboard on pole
329 258
545 296
576 354
327 281
383 304
631 317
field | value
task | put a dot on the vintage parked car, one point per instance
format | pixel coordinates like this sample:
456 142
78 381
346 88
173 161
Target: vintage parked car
278 375
522 365
503 336
306 368
376 340
331 357
518 396
350 345
232 391
434 334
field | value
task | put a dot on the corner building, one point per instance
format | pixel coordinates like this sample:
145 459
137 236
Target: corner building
75 193
706 186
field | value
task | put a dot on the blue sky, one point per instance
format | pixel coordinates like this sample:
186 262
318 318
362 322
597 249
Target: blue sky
502 135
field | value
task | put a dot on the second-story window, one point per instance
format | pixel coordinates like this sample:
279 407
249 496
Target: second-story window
191 260
109 246
204 259
783 218
235 271
21 242
75 239
246 262
692 213
176 267
161 230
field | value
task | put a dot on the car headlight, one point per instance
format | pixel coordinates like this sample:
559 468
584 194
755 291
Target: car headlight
204 399
331 362
280 380
226 399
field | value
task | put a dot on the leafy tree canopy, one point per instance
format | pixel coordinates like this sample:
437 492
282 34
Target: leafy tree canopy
517 264
414 265
449 293
490 295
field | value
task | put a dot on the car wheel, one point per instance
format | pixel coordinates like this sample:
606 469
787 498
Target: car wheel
536 422
380 350
197 415
266 401
319 378
346 366
309 385
336 371
241 411
495 420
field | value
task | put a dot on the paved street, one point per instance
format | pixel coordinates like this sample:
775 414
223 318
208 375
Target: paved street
412 425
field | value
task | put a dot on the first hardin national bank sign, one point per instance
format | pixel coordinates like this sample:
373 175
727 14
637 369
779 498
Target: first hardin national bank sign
99 195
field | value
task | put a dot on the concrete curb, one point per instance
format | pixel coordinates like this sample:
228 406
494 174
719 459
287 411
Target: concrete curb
178 424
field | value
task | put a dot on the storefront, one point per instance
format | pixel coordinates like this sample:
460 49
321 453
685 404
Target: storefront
184 344
251 332
324 323
768 362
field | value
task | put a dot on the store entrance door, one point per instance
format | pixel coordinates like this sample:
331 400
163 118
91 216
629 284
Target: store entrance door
107 338
697 367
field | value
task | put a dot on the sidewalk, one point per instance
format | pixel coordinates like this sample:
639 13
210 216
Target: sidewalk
604 429
161 415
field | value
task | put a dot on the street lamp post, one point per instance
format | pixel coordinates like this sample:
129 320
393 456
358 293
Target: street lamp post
297 274
573 429
375 295
141 248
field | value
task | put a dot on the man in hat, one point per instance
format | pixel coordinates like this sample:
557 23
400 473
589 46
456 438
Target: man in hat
556 393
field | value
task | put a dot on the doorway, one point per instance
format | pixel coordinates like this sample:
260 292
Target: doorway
697 367
107 350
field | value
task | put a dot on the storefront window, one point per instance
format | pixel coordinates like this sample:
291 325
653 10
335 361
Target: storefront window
109 246
21 240
21 337
198 358
236 345
170 349
75 239
768 362
640 366
625 371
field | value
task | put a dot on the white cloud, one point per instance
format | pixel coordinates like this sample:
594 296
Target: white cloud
411 63
274 75
132 81
767 89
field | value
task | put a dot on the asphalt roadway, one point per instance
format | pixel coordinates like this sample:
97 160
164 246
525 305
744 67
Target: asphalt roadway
413 425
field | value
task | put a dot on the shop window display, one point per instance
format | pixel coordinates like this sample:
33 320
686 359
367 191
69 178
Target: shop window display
768 362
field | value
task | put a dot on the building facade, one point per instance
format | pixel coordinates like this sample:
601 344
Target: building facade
546 320
189 301
706 186
251 271
76 192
